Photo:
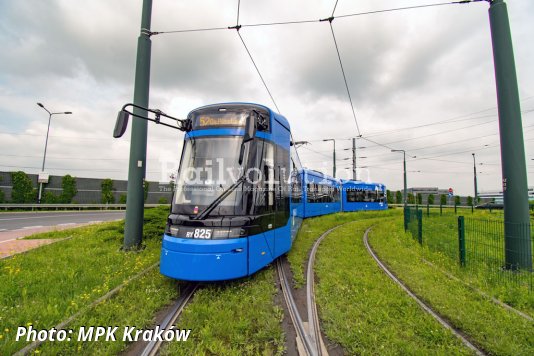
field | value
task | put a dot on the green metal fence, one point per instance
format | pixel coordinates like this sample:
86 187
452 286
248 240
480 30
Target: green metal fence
476 243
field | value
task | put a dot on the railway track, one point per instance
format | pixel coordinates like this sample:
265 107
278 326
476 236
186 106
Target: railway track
152 347
422 304
309 339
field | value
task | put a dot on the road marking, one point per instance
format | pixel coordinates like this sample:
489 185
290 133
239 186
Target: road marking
1 242
3 230
66 224
33 227
95 222
62 215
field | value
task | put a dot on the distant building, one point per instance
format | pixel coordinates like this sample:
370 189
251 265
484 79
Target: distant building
497 196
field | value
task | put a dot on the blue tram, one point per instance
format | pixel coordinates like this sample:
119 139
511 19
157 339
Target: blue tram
233 211
241 193
363 196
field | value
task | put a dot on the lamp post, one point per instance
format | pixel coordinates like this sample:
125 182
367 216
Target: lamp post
334 141
405 183
46 143
475 177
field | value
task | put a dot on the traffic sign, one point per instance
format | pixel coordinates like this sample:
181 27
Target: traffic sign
451 191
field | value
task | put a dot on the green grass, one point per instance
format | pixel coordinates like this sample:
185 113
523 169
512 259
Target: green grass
311 229
364 311
497 330
45 286
484 255
234 318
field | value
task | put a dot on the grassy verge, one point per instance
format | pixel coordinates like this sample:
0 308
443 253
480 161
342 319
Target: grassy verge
497 330
364 311
45 286
313 228
234 318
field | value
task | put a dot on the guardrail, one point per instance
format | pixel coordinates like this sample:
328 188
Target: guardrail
33 207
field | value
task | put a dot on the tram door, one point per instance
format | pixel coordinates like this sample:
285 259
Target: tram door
269 195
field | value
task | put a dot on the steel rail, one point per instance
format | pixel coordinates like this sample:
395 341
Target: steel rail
293 311
153 346
422 304
313 316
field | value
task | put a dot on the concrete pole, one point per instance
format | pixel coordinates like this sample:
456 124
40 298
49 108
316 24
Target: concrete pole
133 231
354 174
518 253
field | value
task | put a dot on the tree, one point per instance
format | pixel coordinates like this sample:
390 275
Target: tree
122 199
457 200
398 197
411 198
419 198
2 196
443 199
430 199
107 191
389 196
68 183
146 187
23 191
469 201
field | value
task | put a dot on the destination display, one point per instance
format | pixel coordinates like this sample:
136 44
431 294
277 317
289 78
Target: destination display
219 120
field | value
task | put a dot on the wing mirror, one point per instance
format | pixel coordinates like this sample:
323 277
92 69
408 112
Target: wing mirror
121 124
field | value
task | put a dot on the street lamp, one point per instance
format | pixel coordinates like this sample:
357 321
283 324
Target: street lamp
405 183
334 141
475 177
46 143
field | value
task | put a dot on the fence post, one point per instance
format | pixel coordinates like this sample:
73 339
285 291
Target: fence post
440 209
406 217
461 240
472 208
420 226
455 207
427 209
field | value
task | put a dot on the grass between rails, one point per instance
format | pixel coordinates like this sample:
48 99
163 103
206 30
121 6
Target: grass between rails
492 327
45 286
312 228
233 318
363 310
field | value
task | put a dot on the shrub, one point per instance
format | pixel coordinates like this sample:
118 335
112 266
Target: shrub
107 191
398 197
68 183
23 191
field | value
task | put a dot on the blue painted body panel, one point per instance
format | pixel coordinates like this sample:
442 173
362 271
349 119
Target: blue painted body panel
204 260
362 206
317 209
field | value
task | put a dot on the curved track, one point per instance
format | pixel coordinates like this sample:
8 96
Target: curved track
152 347
310 334
422 304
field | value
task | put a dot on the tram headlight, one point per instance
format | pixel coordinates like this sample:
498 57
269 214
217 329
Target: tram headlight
174 230
226 233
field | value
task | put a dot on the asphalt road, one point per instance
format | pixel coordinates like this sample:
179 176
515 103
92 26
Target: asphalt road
32 220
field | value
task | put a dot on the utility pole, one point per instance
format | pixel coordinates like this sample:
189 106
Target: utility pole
518 252
133 231
334 158
354 174
405 181
475 172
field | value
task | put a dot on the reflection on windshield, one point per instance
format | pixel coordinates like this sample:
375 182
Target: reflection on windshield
208 167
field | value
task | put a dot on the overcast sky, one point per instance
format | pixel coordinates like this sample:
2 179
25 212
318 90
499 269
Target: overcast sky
431 66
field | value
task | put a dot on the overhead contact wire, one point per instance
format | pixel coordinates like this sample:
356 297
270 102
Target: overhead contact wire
345 79
257 70
277 23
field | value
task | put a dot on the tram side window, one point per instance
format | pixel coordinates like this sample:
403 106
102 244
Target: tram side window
264 178
296 187
282 176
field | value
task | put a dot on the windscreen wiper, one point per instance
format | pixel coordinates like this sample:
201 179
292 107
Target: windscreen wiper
204 213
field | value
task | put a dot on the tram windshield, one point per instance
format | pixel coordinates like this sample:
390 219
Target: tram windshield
209 166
